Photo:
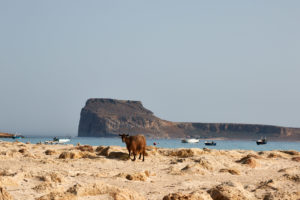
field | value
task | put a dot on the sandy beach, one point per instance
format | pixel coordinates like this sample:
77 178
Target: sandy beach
62 172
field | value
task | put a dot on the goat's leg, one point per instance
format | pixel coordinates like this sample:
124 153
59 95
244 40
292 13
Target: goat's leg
144 155
140 156
128 154
134 154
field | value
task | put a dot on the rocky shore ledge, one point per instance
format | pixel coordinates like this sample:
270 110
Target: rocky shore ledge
67 172
6 135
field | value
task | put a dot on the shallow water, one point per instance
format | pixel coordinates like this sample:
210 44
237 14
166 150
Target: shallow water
174 143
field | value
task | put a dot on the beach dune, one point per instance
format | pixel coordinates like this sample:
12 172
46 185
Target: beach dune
44 172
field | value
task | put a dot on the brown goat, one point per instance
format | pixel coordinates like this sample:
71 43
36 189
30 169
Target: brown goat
135 144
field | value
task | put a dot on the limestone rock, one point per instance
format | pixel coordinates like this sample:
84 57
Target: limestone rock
58 196
231 171
99 188
297 159
86 148
141 176
69 155
291 152
4 195
293 177
183 153
45 186
230 191
248 160
274 155
23 150
198 195
50 152
193 169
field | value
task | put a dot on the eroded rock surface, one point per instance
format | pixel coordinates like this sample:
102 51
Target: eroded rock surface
110 117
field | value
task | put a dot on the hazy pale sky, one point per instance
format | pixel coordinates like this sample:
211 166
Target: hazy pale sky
194 61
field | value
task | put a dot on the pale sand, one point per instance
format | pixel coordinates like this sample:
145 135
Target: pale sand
26 172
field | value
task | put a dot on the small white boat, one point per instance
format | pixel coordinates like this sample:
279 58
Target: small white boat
58 141
212 143
192 140
63 140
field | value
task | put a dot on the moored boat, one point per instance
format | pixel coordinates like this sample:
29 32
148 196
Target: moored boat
58 141
63 140
192 140
261 141
212 143
16 137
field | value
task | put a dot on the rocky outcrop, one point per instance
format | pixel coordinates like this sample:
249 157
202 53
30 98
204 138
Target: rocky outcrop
4 195
6 135
198 195
230 190
110 117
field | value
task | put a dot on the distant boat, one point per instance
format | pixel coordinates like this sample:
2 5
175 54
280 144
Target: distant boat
15 136
212 143
192 140
261 141
58 141
63 140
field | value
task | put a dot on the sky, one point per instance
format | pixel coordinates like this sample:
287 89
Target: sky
187 61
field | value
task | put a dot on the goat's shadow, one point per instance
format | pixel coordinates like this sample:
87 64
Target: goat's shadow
118 155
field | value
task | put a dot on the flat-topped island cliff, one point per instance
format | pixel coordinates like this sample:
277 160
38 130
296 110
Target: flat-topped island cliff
110 117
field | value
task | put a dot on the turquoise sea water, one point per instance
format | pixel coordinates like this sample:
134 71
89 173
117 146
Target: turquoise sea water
174 143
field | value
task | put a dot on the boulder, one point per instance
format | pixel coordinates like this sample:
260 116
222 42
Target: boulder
296 159
4 195
182 153
231 171
248 160
139 176
230 191
99 188
88 148
291 152
69 155
197 195
50 152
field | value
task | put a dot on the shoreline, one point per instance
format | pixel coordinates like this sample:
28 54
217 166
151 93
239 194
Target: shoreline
174 144
284 139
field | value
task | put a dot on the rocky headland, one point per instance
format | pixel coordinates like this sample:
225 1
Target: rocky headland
6 135
110 117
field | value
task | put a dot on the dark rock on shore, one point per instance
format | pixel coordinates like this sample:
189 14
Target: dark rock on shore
7 135
110 117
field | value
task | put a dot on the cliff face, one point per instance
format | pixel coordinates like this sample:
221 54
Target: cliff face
6 135
109 117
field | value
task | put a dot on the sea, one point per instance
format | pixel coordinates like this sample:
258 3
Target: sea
171 143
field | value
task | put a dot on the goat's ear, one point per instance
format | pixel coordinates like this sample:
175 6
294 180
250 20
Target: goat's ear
120 135
127 134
